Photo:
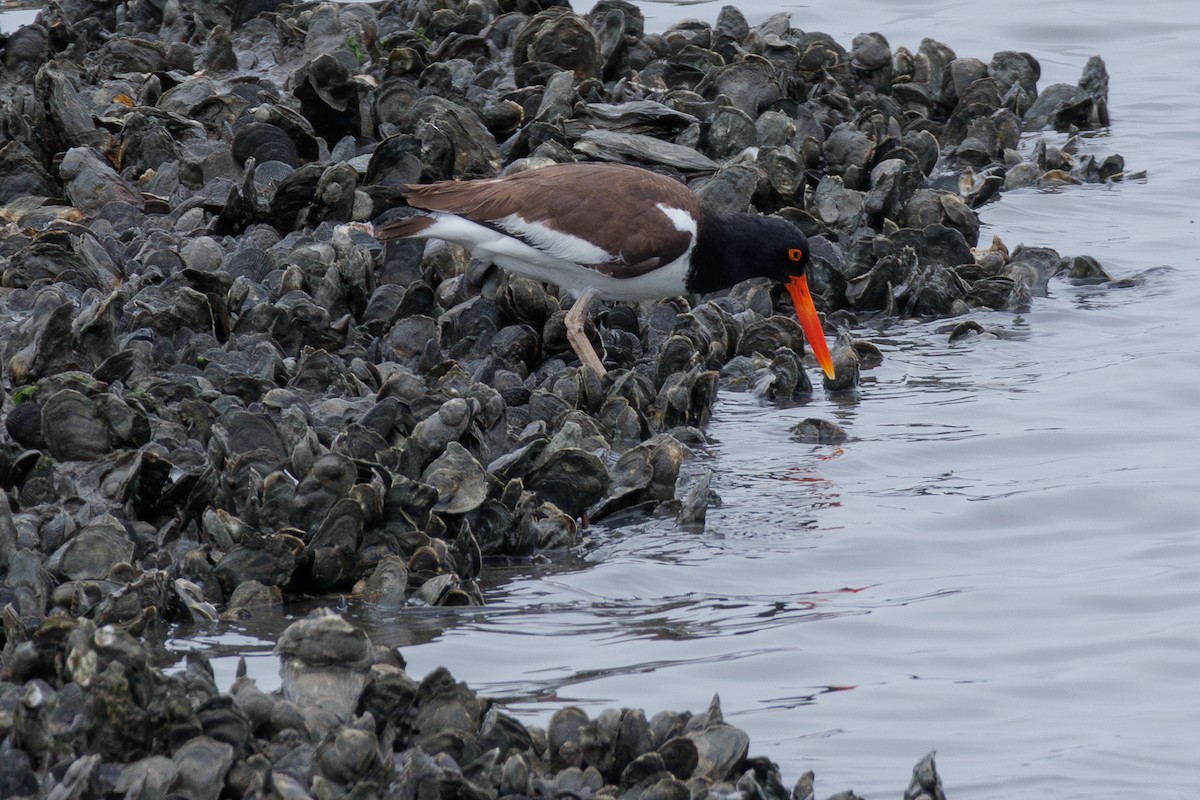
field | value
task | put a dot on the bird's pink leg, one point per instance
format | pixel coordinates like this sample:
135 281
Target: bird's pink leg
576 318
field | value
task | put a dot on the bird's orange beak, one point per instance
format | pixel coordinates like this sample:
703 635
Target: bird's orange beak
797 287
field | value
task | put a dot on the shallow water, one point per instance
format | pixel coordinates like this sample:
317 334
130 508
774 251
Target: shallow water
13 18
1002 561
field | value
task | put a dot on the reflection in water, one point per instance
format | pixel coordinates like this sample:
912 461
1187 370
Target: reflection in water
786 703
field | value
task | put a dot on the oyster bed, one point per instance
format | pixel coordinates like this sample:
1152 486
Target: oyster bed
219 397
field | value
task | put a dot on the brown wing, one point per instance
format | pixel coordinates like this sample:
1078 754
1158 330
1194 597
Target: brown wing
615 207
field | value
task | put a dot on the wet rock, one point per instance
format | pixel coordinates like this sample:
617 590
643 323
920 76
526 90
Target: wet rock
893 183
252 598
329 479
349 757
454 142
73 427
153 774
91 182
264 141
1017 75
91 552
1086 269
564 40
202 764
730 132
1033 267
267 560
638 148
325 665
1062 105
786 379
21 175
24 425
818 431
636 116
731 188
693 510
838 207
387 586
847 152
846 364
43 344
571 478
719 748
926 784
459 479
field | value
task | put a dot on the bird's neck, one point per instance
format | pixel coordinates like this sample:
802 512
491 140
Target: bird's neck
724 252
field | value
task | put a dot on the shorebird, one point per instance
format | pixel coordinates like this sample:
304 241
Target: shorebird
615 232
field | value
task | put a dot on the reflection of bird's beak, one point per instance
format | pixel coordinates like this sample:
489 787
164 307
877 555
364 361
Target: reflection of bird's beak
797 287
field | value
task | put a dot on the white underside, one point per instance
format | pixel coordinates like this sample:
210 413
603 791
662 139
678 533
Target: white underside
558 259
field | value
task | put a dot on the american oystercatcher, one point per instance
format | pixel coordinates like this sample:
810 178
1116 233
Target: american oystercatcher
611 231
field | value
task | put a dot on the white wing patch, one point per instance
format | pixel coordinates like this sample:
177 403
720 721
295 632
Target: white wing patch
555 243
682 220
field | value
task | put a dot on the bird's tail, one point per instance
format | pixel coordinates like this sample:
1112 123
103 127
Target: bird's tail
402 229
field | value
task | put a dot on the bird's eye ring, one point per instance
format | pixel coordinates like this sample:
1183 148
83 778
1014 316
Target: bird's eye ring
796 254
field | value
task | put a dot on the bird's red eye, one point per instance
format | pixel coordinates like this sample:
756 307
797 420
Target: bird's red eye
796 254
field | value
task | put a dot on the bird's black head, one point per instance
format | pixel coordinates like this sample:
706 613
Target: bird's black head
741 246
784 249
736 247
